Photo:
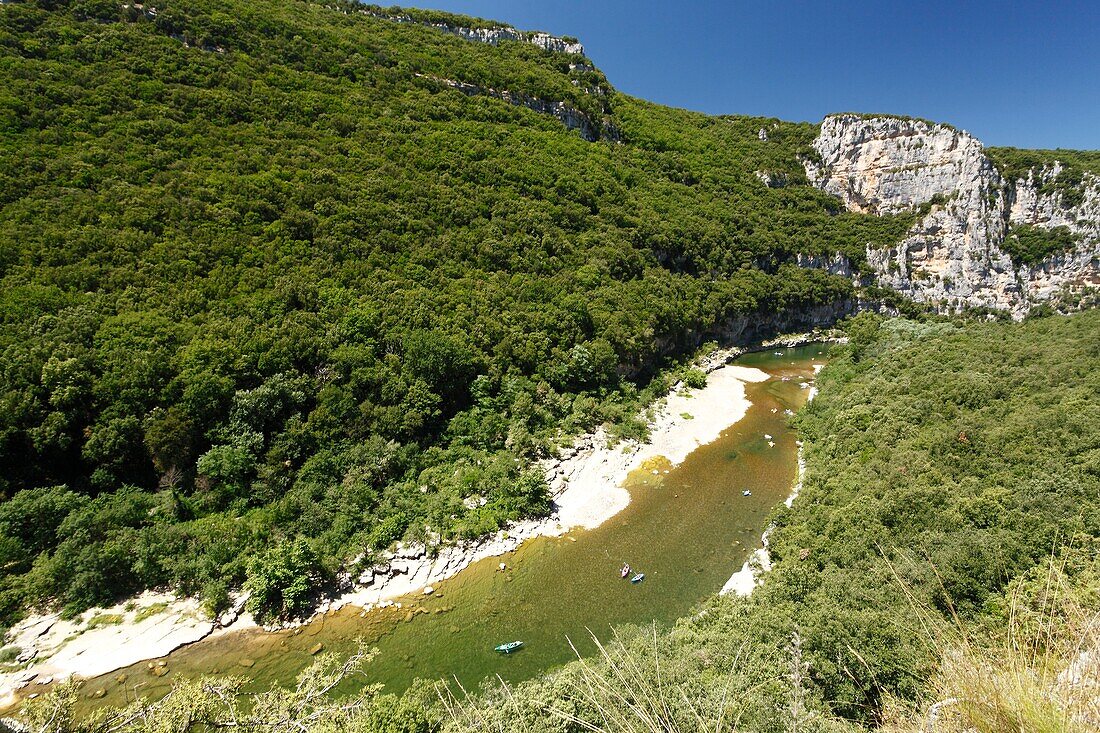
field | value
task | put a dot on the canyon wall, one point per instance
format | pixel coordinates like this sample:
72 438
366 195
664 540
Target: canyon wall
953 255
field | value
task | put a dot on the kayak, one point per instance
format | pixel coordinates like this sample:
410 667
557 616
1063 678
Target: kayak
638 578
509 647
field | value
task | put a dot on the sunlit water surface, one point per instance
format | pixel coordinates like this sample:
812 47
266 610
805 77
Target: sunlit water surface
688 530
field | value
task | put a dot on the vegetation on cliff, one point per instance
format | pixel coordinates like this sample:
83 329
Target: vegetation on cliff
1030 245
1016 164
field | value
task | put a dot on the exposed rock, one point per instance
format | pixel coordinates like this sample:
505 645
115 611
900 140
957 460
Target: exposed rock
771 179
494 35
835 264
61 648
11 724
571 117
1029 205
409 552
952 256
230 616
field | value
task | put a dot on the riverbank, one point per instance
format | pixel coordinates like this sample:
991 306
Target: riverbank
586 483
101 640
745 580
687 530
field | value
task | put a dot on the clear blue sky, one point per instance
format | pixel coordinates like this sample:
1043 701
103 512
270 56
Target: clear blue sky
1012 73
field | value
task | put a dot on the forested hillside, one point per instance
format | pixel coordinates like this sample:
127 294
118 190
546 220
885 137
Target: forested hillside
943 554
270 283
950 512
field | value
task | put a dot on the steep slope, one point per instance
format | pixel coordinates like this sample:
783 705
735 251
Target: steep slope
971 216
277 271
309 278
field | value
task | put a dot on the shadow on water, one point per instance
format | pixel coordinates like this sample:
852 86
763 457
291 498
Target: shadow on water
688 530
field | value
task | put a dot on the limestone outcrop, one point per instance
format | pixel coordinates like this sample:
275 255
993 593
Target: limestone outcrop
573 118
591 127
952 256
493 35
1036 203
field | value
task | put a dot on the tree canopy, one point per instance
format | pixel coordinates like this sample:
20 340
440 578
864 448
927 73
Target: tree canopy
265 275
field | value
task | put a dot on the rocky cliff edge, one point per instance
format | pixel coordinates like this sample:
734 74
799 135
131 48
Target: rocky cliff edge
953 256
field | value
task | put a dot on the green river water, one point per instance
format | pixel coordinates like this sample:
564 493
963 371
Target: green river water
687 530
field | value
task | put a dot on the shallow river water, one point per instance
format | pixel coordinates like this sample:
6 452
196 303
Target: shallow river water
688 530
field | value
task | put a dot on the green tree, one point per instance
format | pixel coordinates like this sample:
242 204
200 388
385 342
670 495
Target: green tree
280 581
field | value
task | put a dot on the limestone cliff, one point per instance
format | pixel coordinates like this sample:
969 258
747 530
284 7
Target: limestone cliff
952 256
1030 205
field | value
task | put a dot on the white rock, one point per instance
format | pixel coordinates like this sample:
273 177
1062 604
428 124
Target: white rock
952 257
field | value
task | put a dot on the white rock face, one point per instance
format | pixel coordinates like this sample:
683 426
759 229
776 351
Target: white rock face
952 257
886 165
495 35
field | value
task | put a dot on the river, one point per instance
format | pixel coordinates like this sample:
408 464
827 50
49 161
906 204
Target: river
688 528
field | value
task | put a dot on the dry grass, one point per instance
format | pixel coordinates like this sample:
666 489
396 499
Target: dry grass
629 693
626 688
619 690
1038 674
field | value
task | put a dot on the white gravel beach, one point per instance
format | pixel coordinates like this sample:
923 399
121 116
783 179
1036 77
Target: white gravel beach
586 481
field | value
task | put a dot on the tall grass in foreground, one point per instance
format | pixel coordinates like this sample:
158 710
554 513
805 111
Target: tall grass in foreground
619 690
626 688
1031 664
1039 673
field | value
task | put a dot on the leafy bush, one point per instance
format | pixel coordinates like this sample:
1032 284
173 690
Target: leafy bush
282 580
695 379
1028 245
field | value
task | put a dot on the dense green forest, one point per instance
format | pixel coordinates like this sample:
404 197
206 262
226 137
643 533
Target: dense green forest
945 545
273 295
945 465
